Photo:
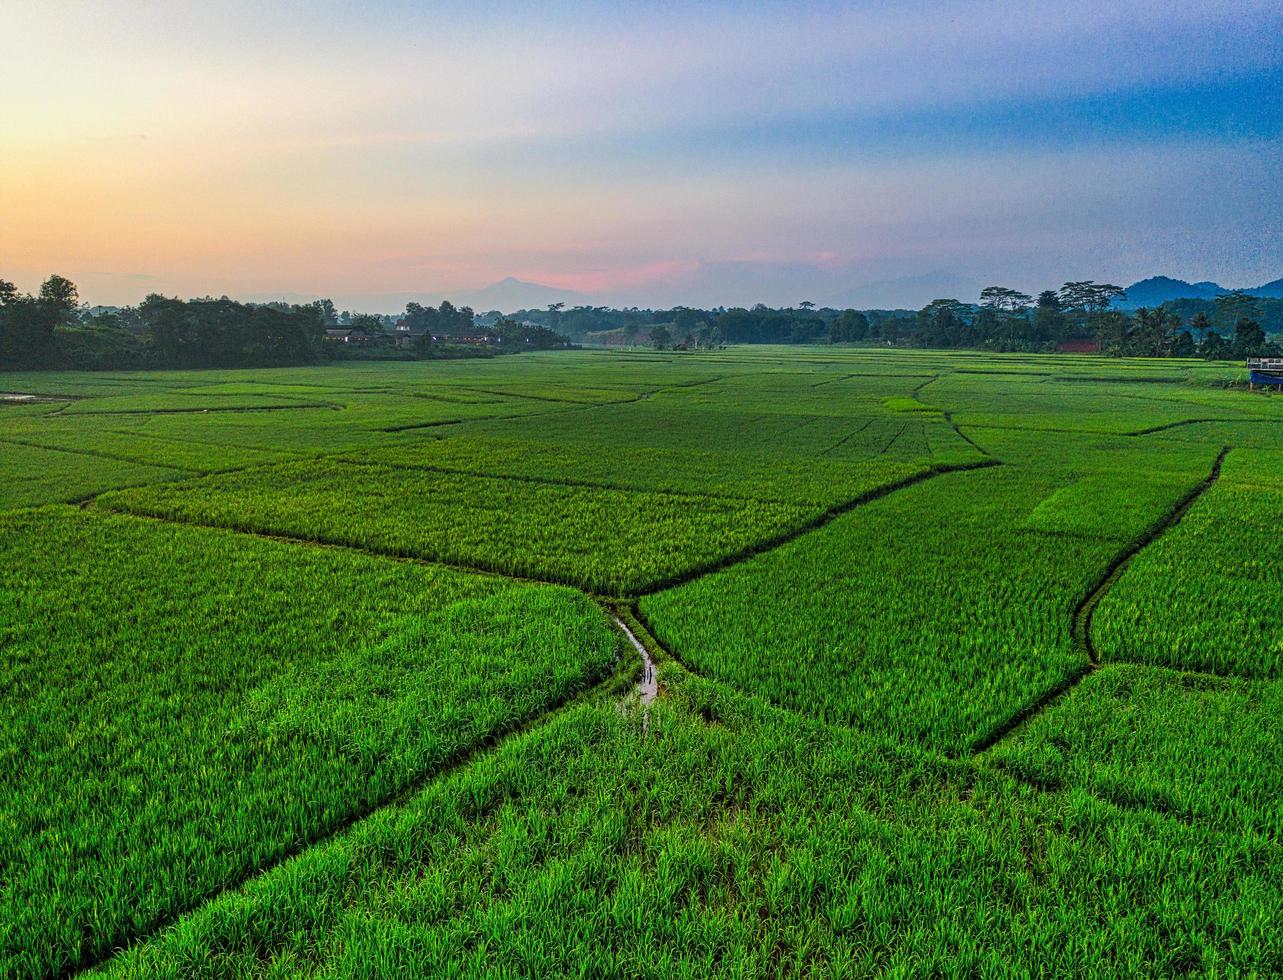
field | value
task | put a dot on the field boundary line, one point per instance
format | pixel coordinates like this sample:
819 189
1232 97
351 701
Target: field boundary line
562 408
1176 425
827 516
819 520
91 503
548 398
1086 609
1032 709
395 798
948 417
98 454
301 406
554 481
850 435
892 441
1080 625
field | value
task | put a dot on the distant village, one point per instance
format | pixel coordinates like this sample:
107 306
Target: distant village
406 334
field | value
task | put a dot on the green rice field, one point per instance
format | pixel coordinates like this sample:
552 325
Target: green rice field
804 662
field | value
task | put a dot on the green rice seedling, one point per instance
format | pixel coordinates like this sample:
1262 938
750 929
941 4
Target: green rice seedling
1249 433
244 757
755 476
608 541
1086 406
1203 747
919 615
185 400
904 404
33 475
182 706
129 443
730 840
1205 596
1118 504
934 614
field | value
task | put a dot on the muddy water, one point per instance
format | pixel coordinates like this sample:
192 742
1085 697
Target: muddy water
21 398
648 686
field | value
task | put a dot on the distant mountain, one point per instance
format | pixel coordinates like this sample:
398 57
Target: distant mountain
511 294
1271 290
1157 290
907 292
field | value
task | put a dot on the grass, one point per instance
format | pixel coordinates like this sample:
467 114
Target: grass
608 541
934 614
34 475
822 481
182 706
1203 747
732 841
1205 596
229 755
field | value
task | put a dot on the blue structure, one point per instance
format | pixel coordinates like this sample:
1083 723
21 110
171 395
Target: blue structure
1265 371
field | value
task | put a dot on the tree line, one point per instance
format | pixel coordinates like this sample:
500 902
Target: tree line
1078 315
1008 320
52 329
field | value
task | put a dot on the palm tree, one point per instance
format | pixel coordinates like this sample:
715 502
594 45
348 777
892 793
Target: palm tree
554 314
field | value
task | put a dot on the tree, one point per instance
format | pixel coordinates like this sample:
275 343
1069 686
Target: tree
940 324
806 304
848 326
1090 297
1049 317
27 323
1202 324
1003 299
60 298
369 324
1154 332
1249 338
631 329
1005 315
554 314
1084 303
660 336
1232 307
1183 345
685 320
1112 329
1214 347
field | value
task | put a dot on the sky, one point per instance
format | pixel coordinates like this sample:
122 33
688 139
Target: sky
637 153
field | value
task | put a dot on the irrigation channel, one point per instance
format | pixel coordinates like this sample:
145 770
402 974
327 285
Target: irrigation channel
648 685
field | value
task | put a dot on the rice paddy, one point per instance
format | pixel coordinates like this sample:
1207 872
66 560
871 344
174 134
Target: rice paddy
967 665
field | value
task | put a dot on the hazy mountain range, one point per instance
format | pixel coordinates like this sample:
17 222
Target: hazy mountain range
747 283
743 284
906 292
1159 289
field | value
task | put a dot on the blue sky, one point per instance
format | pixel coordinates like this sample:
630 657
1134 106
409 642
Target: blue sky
640 153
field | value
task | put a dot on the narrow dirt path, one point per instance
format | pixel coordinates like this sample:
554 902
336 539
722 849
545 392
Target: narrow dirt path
648 685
